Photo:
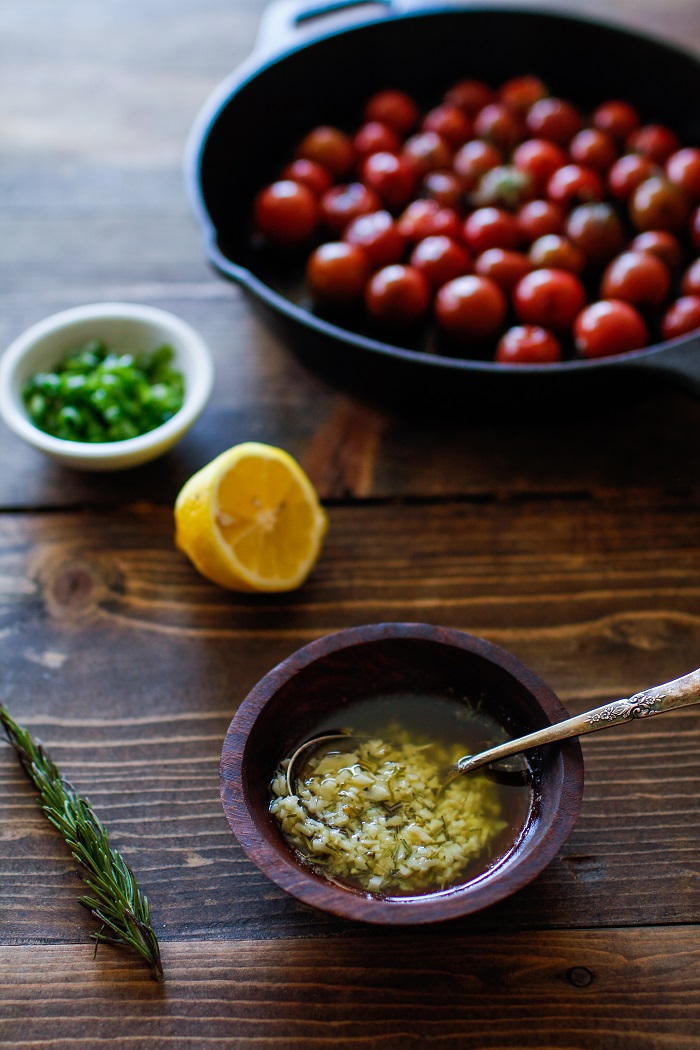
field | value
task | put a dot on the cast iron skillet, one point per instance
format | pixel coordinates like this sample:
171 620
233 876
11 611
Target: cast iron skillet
248 128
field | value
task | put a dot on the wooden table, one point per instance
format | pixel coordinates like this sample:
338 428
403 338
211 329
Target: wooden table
573 542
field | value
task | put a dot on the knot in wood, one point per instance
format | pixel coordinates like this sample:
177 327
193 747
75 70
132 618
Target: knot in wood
72 588
579 976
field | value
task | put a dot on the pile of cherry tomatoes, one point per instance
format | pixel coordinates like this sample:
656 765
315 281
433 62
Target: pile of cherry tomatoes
504 215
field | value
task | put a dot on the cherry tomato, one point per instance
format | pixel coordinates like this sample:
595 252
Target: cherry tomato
597 231
653 141
450 122
427 151
593 149
505 186
341 204
539 158
661 243
617 118
440 259
337 272
287 212
498 124
392 177
504 267
528 344
474 159
550 298
554 252
374 137
553 119
444 187
627 173
308 173
694 226
491 228
378 235
690 282
609 327
538 218
397 296
657 204
519 93
574 184
470 96
683 170
470 308
330 147
682 317
425 218
393 108
639 278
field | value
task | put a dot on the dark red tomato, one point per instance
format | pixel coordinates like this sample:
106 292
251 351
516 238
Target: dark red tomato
337 272
374 137
392 177
690 282
341 204
450 122
470 308
683 170
597 231
661 243
574 184
491 228
474 159
540 159
397 296
504 267
427 151
519 93
550 298
308 173
654 141
682 317
444 187
505 186
498 124
553 119
694 226
627 173
593 149
394 108
554 252
378 235
470 96
528 344
330 147
617 118
639 278
538 218
609 327
440 259
425 218
287 212
657 204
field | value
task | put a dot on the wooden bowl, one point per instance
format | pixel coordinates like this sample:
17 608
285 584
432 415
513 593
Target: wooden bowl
324 677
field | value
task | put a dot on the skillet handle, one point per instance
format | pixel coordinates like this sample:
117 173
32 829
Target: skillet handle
286 22
678 365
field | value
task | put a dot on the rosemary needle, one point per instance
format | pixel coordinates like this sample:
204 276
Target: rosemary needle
115 900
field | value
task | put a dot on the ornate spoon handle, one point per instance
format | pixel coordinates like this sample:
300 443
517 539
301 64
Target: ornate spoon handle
681 692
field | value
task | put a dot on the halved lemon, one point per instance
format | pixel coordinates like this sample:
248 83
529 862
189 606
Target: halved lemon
251 520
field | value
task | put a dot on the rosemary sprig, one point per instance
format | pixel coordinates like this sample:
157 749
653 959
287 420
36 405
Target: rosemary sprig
115 899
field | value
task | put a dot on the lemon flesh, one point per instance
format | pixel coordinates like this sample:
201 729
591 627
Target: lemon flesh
251 520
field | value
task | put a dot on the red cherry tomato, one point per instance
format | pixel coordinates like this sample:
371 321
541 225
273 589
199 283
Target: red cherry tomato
661 243
505 186
553 119
627 173
450 122
308 173
682 317
694 226
394 108
474 159
593 148
498 124
597 231
550 298
538 218
374 137
491 228
617 118
427 151
639 278
330 147
554 252
392 178
574 184
341 204
337 272
378 235
690 282
609 327
425 218
528 344
397 296
657 204
539 158
683 170
470 308
286 212
653 141
519 93
444 187
440 259
470 96
504 267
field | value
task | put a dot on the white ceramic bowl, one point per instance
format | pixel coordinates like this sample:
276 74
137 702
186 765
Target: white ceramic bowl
122 326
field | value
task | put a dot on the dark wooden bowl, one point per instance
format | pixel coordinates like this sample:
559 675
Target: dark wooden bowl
325 676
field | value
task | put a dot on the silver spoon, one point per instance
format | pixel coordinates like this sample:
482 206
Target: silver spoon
681 692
